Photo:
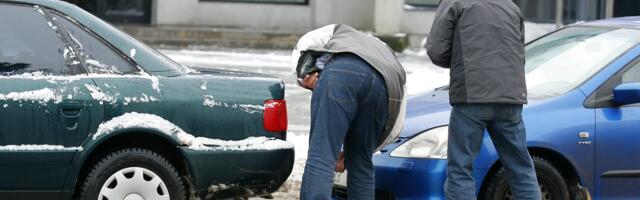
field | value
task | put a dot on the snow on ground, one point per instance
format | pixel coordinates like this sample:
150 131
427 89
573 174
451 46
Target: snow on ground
422 75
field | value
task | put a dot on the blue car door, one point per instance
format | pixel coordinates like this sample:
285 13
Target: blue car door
617 168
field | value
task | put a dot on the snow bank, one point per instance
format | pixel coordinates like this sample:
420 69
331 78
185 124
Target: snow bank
38 147
272 59
154 122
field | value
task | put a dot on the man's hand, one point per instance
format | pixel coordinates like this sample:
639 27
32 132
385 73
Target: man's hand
309 81
340 164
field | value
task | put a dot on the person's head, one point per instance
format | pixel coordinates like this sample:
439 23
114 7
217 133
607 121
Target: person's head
303 57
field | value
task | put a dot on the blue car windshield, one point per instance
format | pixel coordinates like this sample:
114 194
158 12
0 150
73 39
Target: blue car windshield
563 60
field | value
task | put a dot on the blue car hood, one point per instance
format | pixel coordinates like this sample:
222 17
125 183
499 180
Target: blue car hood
431 109
425 111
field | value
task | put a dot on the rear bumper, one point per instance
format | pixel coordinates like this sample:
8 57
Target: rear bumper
221 173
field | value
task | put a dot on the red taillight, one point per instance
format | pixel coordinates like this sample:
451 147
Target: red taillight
275 115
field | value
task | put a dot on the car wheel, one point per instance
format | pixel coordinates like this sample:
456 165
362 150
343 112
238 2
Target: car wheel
132 174
552 184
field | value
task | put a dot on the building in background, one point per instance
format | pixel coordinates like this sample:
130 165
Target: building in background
119 11
301 15
543 11
410 17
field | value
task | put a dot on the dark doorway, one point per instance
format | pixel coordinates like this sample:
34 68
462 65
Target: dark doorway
622 8
119 11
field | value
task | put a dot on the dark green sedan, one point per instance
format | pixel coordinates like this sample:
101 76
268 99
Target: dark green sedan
87 112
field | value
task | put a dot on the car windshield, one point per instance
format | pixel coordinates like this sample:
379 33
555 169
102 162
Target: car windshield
559 62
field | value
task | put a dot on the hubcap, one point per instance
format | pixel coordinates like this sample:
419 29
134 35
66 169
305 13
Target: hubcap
134 183
133 197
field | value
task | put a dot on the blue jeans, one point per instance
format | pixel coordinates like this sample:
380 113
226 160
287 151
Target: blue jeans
504 124
349 106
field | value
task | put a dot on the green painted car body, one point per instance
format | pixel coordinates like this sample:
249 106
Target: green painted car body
213 104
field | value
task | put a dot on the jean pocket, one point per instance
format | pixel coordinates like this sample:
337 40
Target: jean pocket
343 94
515 113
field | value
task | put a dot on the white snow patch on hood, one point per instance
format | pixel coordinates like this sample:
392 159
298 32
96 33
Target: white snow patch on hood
204 85
42 96
251 143
38 147
38 9
209 101
97 95
248 108
132 52
142 120
142 99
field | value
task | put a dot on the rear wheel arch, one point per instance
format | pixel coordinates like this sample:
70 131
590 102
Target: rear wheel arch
161 144
557 160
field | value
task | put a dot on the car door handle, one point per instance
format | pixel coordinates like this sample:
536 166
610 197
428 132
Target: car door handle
71 109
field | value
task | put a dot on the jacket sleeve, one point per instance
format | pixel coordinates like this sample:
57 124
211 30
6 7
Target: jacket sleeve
440 38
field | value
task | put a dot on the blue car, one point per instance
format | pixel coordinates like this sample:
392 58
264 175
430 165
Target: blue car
582 120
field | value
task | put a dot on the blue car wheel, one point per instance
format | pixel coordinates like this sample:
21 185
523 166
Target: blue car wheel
552 185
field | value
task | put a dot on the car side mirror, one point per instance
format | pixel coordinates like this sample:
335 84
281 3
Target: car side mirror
627 93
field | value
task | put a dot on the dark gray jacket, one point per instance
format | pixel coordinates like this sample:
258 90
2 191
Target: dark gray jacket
340 38
482 42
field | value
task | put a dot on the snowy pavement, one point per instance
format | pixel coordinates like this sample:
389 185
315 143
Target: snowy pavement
421 76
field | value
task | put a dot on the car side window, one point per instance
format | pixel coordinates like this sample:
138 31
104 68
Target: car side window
97 56
603 97
29 43
632 75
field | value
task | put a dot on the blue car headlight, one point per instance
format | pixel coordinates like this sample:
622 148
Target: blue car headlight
428 144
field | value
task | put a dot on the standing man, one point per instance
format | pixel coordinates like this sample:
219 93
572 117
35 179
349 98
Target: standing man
482 42
358 100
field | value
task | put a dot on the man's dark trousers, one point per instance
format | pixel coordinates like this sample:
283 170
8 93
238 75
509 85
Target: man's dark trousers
504 124
350 105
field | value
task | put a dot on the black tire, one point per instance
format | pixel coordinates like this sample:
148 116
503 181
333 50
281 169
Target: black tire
132 158
552 185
